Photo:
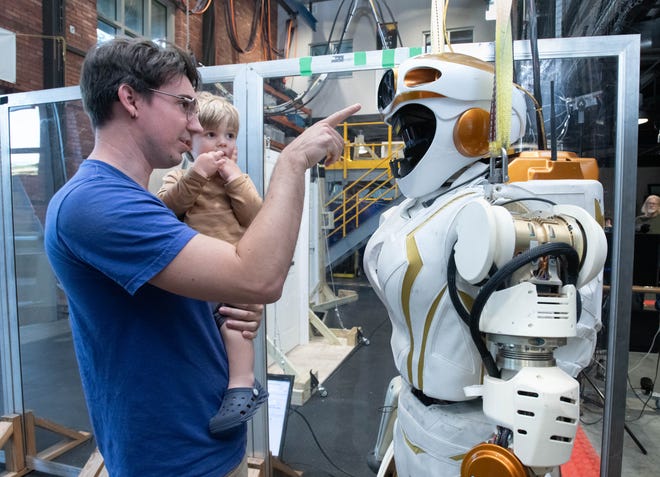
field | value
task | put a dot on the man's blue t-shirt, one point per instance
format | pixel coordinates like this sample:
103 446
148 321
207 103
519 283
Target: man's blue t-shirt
153 366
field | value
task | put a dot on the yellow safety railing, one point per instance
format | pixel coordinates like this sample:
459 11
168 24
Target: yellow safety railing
375 183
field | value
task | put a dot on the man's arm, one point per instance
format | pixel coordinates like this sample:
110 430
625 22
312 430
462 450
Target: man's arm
254 271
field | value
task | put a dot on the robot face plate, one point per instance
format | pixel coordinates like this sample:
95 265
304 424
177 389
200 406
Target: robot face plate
438 105
415 124
386 89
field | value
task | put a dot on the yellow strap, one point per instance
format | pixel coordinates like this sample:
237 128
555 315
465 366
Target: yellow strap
502 94
437 27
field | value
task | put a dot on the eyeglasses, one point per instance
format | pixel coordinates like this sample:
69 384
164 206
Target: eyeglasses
188 104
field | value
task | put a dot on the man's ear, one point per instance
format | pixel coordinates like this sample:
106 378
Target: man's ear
128 99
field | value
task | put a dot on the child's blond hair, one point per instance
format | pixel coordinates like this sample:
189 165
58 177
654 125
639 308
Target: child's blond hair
215 110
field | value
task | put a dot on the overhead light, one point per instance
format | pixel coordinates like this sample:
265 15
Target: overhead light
641 120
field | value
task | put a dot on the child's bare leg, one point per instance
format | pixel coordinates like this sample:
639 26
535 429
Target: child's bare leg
240 355
244 394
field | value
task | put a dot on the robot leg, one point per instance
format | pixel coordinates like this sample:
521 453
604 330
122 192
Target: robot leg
433 439
388 416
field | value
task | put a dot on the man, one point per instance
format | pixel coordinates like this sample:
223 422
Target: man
138 280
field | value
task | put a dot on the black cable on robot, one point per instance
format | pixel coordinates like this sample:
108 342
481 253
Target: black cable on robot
557 249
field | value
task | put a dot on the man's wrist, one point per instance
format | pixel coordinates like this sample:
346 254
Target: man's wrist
296 165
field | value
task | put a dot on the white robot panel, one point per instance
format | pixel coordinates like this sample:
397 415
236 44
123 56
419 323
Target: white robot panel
431 440
406 263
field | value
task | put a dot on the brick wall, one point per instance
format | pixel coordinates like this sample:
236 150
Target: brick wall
80 31
25 18
244 10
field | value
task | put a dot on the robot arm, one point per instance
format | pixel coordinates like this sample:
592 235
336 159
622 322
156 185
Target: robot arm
529 267
503 235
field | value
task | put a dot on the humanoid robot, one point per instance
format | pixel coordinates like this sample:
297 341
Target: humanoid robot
493 288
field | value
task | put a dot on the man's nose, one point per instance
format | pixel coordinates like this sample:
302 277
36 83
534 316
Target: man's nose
194 125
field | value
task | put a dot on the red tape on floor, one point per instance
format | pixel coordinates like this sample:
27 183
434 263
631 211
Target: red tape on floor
585 462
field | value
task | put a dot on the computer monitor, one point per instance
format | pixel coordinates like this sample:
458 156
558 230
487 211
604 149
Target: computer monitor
280 388
646 260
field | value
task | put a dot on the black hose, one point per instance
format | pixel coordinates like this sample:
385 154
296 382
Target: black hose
332 29
554 249
536 71
230 18
453 290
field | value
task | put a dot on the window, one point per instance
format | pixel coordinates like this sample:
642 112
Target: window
456 35
25 144
332 48
145 18
460 35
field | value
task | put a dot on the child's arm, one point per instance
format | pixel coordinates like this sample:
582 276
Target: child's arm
243 195
229 169
245 200
180 189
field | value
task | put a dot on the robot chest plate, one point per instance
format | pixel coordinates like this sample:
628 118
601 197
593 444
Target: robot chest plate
417 245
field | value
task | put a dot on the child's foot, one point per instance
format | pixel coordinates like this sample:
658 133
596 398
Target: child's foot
238 406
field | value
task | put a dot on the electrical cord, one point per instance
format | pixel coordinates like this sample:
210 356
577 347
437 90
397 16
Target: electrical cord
360 344
230 17
398 34
590 423
646 402
304 98
536 69
317 81
453 187
646 354
632 388
266 33
539 199
463 313
342 364
311 430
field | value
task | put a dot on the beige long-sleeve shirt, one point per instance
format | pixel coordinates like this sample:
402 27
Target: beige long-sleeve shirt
210 206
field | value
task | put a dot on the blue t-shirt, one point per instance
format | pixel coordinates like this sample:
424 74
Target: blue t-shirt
153 366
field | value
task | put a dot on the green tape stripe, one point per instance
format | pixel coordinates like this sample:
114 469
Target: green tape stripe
388 59
305 66
360 59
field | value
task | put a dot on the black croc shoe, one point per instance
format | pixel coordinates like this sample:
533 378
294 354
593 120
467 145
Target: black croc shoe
238 406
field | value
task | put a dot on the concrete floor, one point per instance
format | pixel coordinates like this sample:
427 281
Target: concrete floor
330 435
641 449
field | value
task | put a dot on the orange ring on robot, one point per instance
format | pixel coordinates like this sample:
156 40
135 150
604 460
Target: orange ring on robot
471 132
487 460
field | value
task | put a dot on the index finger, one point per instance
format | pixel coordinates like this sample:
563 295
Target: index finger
335 118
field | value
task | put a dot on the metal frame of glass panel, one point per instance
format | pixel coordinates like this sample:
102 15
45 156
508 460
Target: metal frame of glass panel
248 80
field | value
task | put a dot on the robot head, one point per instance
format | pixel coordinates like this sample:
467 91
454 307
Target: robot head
439 105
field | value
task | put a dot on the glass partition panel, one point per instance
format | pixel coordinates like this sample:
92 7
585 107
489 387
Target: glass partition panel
588 81
578 99
47 143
